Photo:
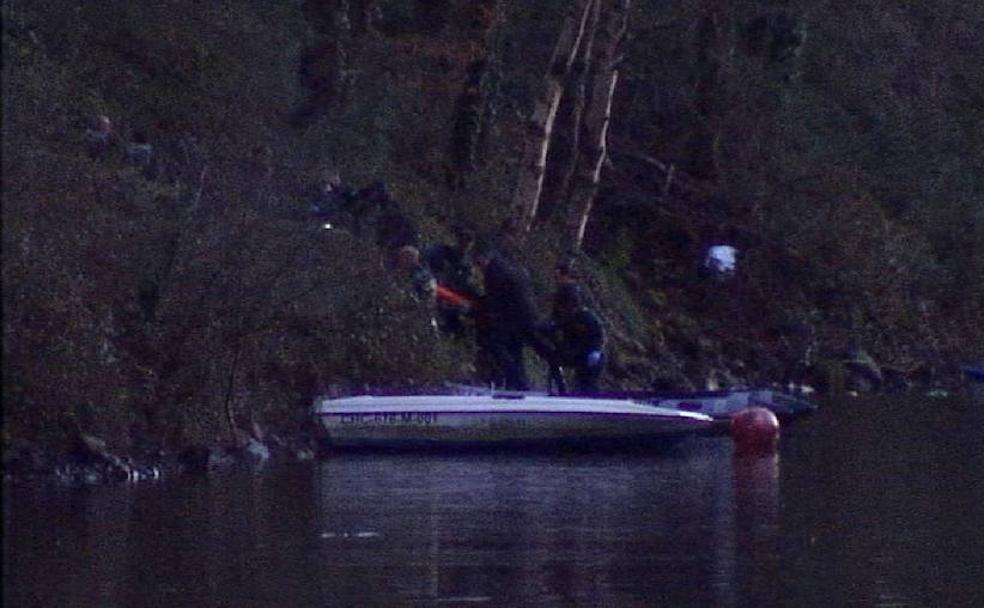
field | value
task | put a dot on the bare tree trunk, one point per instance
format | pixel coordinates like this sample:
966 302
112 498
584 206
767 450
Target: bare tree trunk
228 402
706 143
566 156
526 196
471 107
595 144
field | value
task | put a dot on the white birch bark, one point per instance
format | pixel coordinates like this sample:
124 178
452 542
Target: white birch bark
596 119
529 184
579 90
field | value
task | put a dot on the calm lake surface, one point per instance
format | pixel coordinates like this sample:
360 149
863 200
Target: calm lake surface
868 503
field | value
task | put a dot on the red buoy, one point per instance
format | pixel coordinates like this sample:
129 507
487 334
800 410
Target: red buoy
755 431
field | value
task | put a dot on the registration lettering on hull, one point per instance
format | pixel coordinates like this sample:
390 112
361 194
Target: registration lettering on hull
389 418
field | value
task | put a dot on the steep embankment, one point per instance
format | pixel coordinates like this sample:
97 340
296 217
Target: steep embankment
183 299
179 301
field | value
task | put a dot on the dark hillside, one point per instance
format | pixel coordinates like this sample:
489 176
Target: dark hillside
178 297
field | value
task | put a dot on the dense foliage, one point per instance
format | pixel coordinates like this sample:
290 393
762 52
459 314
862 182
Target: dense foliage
838 145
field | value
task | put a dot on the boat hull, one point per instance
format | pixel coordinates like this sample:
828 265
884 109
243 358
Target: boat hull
494 422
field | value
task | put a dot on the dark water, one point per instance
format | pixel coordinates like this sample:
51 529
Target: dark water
869 503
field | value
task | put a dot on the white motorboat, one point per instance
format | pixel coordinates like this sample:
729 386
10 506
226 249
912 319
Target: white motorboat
500 419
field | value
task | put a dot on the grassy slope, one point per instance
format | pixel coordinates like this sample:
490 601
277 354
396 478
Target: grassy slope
163 307
168 308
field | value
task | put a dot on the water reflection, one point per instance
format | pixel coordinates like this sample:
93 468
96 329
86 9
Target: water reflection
682 529
611 530
756 527
878 504
229 540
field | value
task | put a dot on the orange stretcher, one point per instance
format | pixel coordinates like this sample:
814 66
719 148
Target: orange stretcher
448 296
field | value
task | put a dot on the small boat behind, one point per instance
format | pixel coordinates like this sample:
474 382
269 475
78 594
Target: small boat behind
974 374
500 419
718 404
725 404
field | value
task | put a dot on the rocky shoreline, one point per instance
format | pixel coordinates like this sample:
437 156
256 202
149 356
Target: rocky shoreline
90 462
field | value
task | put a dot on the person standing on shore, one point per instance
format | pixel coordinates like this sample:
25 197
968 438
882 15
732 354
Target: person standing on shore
507 319
579 338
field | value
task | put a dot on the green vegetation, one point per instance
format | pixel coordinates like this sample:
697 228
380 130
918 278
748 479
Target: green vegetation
840 147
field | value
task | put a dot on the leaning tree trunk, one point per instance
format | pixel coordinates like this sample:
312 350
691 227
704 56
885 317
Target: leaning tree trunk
596 120
705 160
526 196
471 106
565 152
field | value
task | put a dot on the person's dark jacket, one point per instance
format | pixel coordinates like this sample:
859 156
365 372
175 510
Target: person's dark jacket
394 228
580 333
374 209
331 204
507 304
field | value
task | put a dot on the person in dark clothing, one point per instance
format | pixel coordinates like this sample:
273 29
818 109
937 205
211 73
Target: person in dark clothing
453 264
579 337
506 320
563 275
101 139
373 210
330 201
140 151
368 205
422 283
453 268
